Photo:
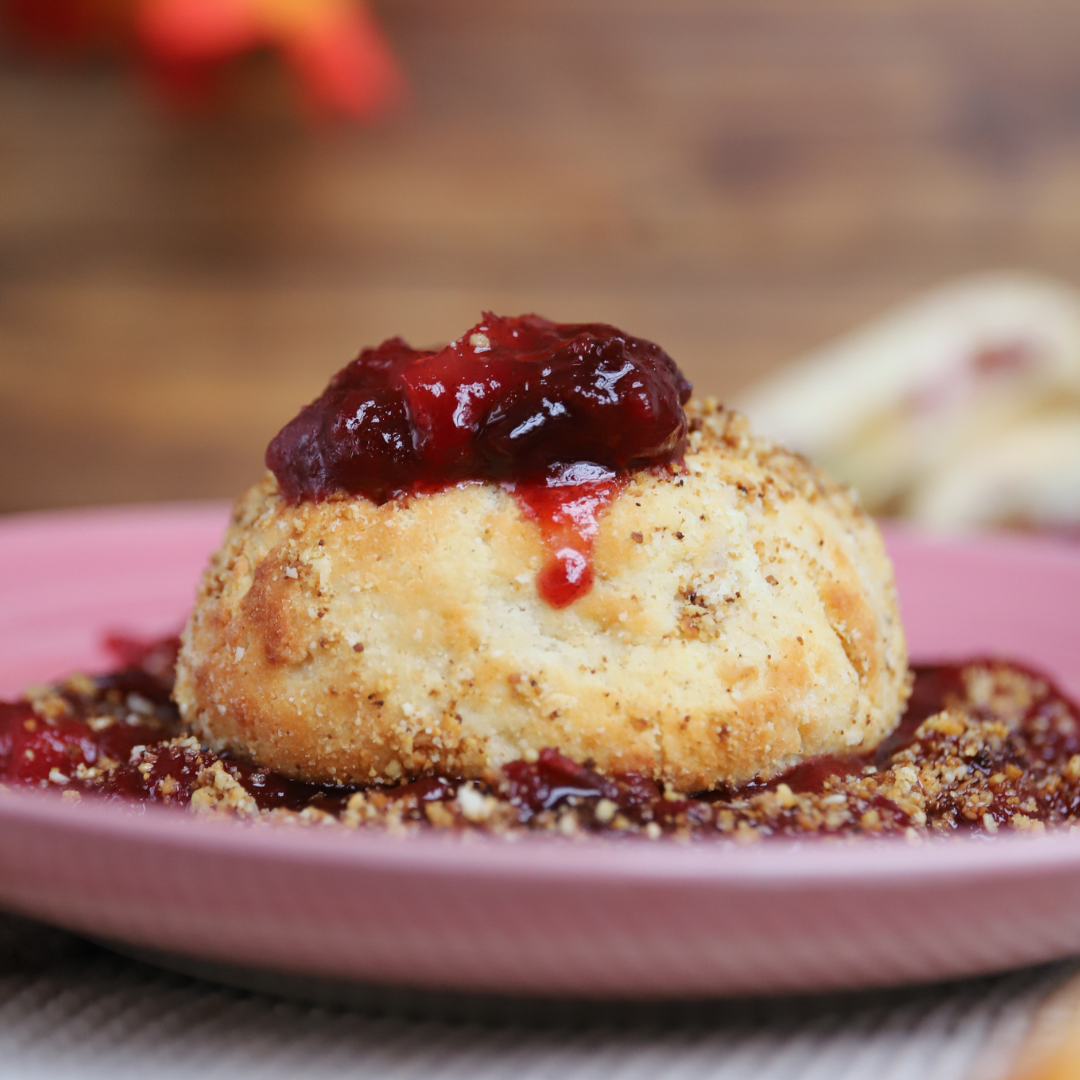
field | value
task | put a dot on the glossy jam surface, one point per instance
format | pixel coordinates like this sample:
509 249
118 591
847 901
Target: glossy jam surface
512 399
985 745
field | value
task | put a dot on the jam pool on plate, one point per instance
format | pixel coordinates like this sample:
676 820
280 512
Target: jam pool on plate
985 745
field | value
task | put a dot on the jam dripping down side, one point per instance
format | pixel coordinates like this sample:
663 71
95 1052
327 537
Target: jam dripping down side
557 412
568 515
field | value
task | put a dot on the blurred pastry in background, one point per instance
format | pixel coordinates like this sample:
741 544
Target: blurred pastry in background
958 410
1050 1050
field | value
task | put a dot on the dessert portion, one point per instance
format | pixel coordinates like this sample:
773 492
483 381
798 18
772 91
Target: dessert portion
532 543
524 583
985 746
960 409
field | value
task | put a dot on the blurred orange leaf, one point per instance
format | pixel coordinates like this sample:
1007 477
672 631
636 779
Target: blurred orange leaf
335 48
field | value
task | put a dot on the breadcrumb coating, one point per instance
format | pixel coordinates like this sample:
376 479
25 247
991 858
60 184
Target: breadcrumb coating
743 618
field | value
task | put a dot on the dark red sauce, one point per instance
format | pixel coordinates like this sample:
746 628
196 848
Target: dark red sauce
567 508
1005 754
558 412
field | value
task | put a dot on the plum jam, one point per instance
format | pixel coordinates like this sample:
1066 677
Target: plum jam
985 746
559 413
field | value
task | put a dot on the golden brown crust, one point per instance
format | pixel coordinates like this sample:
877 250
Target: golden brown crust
743 617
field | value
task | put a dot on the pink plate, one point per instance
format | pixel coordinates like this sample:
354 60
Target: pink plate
535 916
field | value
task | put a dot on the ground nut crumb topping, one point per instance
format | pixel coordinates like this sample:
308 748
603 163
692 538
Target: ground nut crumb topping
985 747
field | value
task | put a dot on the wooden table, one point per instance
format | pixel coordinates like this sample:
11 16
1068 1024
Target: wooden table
736 179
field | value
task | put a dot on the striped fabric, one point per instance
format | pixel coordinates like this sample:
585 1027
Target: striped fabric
72 1009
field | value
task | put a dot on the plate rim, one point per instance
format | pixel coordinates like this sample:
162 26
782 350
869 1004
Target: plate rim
811 862
814 862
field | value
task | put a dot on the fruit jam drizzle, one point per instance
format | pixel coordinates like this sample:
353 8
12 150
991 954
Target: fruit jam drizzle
985 745
560 414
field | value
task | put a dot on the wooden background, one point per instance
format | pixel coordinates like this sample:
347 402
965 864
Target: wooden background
736 179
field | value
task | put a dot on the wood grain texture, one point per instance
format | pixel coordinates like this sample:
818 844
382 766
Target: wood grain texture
737 179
